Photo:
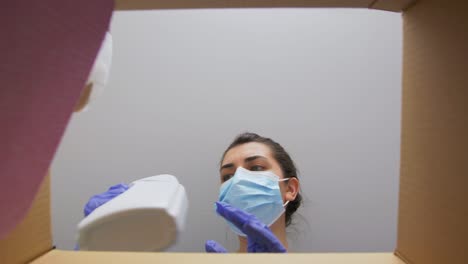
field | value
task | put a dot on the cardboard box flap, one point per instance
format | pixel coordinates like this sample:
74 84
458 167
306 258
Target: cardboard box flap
390 5
89 257
433 206
32 237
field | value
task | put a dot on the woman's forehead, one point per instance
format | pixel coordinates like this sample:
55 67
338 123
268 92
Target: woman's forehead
240 152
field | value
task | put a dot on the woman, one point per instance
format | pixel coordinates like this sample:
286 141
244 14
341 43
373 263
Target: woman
250 156
259 194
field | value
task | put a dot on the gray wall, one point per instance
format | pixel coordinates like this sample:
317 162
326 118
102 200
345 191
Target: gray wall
324 83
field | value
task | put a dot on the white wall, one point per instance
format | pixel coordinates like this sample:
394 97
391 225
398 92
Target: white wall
324 83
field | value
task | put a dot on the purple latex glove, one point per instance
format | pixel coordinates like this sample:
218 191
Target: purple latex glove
259 236
100 199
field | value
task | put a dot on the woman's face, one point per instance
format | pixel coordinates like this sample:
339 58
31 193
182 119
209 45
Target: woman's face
252 156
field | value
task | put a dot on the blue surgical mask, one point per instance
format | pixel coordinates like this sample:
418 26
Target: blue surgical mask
255 192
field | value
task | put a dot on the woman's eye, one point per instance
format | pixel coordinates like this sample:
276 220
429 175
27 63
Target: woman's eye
226 177
257 168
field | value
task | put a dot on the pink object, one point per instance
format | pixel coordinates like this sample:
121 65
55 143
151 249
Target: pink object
47 50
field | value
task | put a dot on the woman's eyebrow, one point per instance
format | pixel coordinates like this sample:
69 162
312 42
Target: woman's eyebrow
225 166
252 158
248 159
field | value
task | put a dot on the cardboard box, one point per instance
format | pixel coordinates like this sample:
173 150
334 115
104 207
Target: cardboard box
433 206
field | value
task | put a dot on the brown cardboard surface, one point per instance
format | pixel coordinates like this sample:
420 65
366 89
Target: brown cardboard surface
32 237
433 205
84 98
187 4
72 257
397 5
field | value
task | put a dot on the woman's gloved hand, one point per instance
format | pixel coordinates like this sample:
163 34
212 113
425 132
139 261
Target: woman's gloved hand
100 199
259 236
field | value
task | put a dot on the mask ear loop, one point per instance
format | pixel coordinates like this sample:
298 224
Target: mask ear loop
282 180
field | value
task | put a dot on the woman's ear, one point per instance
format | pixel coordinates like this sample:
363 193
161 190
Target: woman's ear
292 189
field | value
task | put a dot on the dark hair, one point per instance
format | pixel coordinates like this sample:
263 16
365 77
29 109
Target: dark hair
281 156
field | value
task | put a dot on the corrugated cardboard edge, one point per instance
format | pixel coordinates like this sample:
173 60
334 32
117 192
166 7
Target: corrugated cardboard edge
402 257
33 236
433 207
392 5
90 257
388 5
